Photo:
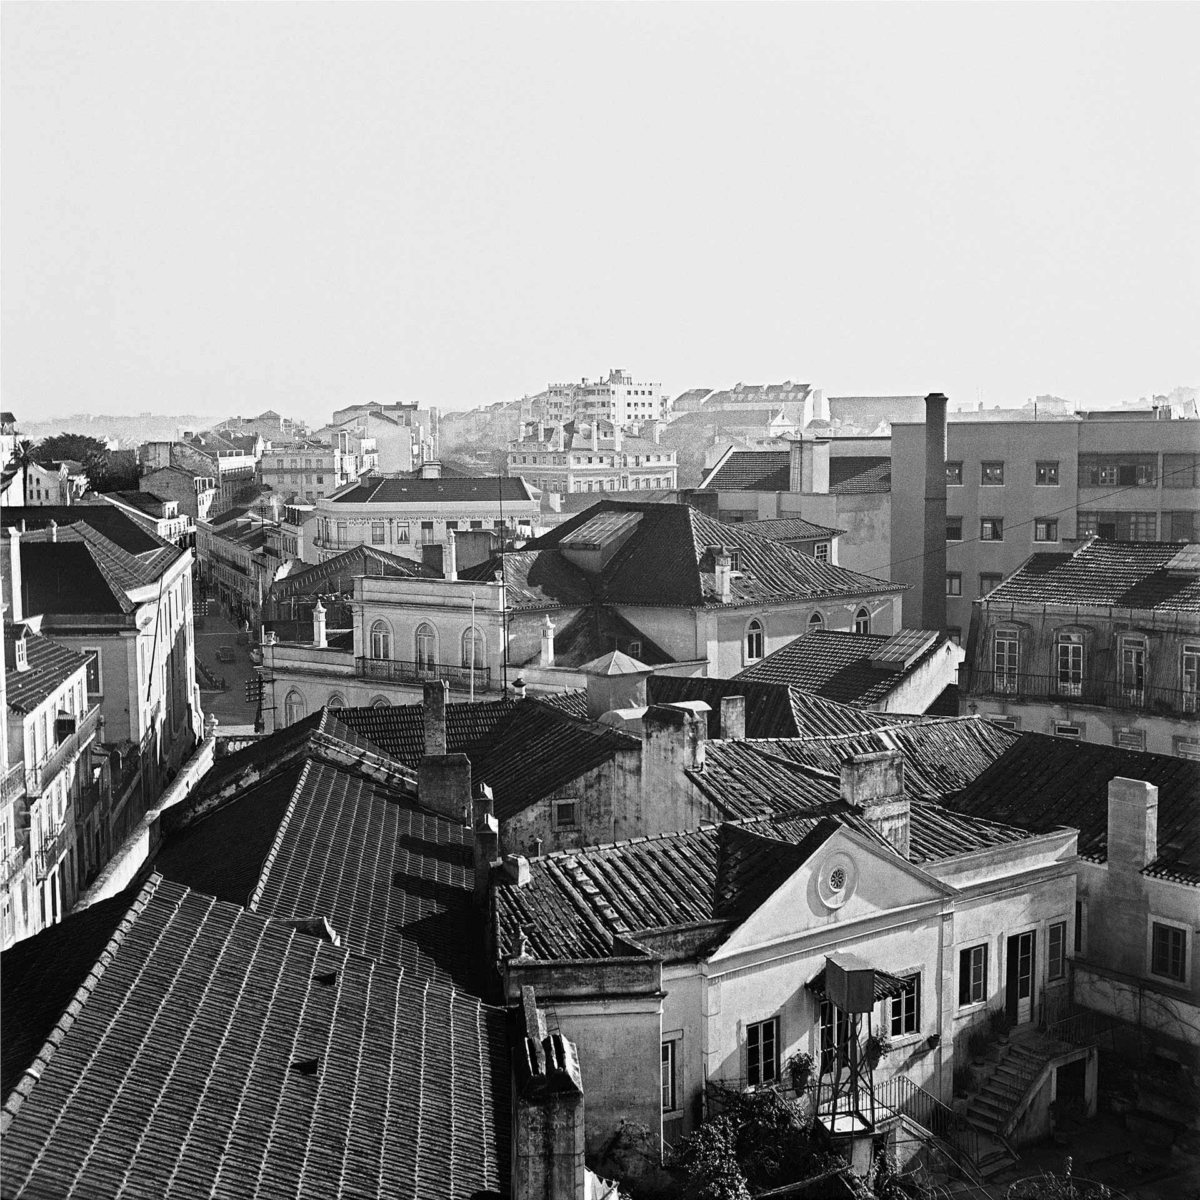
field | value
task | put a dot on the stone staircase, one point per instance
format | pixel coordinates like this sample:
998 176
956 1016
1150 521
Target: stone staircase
993 1106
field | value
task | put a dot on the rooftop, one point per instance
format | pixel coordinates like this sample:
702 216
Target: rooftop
752 471
787 529
50 666
211 1051
1101 574
123 530
374 489
334 573
848 667
851 476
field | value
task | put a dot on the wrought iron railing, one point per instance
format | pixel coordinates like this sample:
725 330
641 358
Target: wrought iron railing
12 783
39 777
1105 693
901 1095
1083 1028
14 861
51 850
395 670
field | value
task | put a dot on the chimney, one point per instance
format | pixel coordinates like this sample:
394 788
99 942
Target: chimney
319 639
933 572
618 435
53 530
816 466
450 560
722 568
435 716
548 1126
546 658
596 433
874 785
796 466
431 469
1132 824
518 688
733 718
487 841
516 869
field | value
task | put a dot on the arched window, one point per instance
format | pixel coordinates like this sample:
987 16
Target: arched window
381 640
816 621
337 700
754 641
426 647
862 621
474 653
293 708
381 702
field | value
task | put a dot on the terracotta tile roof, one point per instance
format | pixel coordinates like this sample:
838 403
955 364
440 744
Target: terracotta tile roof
119 566
1128 575
214 1052
848 476
595 629
400 729
1042 782
375 489
573 703
120 528
50 666
785 529
752 471
339 572
837 665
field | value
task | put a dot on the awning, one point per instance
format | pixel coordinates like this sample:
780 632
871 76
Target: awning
885 985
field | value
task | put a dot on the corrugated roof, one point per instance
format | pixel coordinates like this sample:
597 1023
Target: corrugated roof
215 1051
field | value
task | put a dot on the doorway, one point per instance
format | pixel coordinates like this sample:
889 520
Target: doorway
1018 981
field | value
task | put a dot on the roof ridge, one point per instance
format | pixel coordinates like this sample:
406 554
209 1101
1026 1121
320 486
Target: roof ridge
269 862
62 1026
703 827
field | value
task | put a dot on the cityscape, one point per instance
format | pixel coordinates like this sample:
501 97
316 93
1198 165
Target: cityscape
596 789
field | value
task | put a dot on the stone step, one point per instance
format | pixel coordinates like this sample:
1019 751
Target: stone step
985 1119
1009 1083
991 1101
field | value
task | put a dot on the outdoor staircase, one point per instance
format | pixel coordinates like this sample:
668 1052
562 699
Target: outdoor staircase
993 1107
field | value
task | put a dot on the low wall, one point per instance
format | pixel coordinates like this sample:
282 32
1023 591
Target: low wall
134 852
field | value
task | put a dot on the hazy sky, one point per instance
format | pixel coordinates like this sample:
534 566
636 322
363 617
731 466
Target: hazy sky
223 208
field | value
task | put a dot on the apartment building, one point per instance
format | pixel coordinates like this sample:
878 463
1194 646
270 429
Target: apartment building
404 435
618 398
593 456
304 472
1019 486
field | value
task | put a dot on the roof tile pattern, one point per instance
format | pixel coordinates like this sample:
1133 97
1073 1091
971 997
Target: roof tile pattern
790 529
120 528
752 471
400 729
221 1054
855 476
50 666
458 489
1129 575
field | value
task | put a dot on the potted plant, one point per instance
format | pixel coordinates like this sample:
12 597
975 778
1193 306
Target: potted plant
879 1045
999 1024
800 1068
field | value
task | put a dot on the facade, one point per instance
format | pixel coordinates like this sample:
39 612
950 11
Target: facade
1100 645
404 435
618 399
160 516
304 472
193 494
403 515
590 457
1016 487
235 565
216 465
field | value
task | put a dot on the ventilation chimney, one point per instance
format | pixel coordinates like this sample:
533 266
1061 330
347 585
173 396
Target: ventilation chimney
933 573
816 466
874 784
1132 824
319 638
431 469
546 659
733 718
435 716
722 569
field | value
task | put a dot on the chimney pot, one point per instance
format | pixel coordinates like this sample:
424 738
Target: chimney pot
319 636
546 658
450 564
516 869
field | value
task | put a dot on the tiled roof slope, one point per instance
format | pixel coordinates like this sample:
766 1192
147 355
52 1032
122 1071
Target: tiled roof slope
849 476
216 1053
1129 575
50 666
773 710
400 729
752 471
1042 782
837 665
573 703
784 529
596 630
406 490
334 573
120 528
666 561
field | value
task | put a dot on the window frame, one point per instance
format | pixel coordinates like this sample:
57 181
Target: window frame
816 621
968 984
1056 964
904 1010
991 529
952 524
381 639
1057 730
755 1043
954 578
1155 923
862 621
670 1077
996 467
1046 466
1047 526
754 641
1069 662
91 651
558 804
954 474
986 589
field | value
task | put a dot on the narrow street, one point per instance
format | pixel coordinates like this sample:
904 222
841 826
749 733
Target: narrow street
228 706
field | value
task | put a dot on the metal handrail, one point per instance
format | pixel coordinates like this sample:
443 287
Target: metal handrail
1104 693
12 783
395 670
902 1095
51 851
14 861
37 777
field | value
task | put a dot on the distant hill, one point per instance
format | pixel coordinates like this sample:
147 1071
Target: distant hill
129 431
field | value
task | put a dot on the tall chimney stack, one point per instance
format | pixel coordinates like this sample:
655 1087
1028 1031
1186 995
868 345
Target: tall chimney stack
933 573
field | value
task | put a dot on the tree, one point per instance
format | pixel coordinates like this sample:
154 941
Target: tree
112 471
23 455
75 446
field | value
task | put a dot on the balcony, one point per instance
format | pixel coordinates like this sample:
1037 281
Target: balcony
1102 693
38 778
14 861
394 670
52 850
12 784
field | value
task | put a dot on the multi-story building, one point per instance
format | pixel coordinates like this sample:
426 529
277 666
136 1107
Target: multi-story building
269 426
618 398
38 484
214 464
403 515
1014 487
405 435
161 516
1101 645
304 472
235 563
596 456
194 495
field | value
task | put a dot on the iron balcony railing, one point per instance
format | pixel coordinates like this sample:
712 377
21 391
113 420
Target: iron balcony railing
14 861
1104 693
395 670
901 1095
52 850
39 777
12 783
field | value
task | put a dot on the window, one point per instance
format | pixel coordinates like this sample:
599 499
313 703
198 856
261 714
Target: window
989 582
1013 723
1118 470
754 641
762 1052
1080 917
293 708
1006 659
862 621
991 474
972 975
336 700
906 1008
835 1036
991 529
341 533
381 640
1130 739
816 621
1067 729
954 474
1070 664
1133 668
473 652
1056 966
954 633
1168 952
378 533
669 1099
1187 748
1181 471
1180 526
566 814
1118 526
954 529
1046 474
1045 530
1189 676
95 680
953 583
821 551
426 645
426 532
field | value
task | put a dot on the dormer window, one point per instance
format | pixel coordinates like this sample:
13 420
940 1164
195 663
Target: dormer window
21 654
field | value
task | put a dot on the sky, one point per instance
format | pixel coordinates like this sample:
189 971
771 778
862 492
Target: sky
232 207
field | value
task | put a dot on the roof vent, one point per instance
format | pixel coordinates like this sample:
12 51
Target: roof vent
306 1066
326 978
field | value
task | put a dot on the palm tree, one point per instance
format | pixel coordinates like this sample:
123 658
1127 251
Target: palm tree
22 457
